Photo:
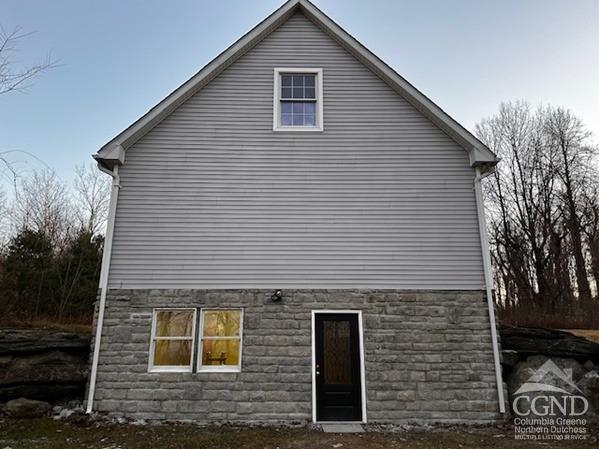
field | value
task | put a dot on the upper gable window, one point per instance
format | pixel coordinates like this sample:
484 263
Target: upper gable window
298 100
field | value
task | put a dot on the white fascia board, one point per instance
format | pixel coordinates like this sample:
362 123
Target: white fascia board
114 152
112 155
482 156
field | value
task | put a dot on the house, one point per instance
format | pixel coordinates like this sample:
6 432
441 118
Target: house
296 234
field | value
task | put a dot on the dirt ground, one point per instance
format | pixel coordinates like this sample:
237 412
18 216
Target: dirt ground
46 433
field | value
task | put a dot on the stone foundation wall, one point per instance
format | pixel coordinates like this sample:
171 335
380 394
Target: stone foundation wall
428 357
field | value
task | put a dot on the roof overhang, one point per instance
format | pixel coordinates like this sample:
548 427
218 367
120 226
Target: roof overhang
113 152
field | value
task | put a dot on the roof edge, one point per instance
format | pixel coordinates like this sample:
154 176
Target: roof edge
112 155
478 152
168 104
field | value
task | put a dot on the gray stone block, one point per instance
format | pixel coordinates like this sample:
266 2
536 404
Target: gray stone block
428 357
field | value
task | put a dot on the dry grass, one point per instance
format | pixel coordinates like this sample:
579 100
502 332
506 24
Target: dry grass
571 318
79 327
49 434
589 334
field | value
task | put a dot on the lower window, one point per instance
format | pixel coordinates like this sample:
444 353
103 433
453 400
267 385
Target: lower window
173 336
173 348
220 340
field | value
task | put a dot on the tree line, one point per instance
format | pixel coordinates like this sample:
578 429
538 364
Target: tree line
51 251
543 216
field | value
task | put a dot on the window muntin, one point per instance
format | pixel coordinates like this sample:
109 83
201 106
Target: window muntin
295 113
298 86
298 100
220 340
172 344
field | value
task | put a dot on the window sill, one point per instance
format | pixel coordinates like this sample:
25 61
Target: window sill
217 370
170 370
298 129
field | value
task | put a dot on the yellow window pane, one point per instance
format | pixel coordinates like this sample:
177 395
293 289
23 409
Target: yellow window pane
222 323
172 353
174 323
220 352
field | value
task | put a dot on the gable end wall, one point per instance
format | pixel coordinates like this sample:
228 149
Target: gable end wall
213 198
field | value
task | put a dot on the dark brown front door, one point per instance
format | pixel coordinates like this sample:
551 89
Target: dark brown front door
338 385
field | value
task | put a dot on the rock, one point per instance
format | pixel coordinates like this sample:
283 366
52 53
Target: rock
576 356
589 366
509 358
19 341
548 342
43 365
589 384
63 414
26 408
519 376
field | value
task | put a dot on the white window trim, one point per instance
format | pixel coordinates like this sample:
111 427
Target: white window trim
362 367
216 368
276 118
176 368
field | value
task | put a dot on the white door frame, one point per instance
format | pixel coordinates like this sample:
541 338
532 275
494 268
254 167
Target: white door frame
361 350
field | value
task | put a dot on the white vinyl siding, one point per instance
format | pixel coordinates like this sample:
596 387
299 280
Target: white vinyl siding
213 198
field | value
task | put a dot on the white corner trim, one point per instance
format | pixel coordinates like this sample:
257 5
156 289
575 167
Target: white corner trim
361 350
114 195
484 241
362 365
313 368
276 106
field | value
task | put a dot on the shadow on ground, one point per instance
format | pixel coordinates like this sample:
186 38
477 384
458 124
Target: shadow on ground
47 433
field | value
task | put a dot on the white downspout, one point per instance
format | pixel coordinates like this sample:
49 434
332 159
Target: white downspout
484 240
114 194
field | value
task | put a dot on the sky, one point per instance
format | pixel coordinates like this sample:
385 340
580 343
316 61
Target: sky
119 58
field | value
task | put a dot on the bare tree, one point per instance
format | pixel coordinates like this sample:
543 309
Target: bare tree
3 219
42 203
14 77
8 171
569 138
590 214
543 202
522 195
91 196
